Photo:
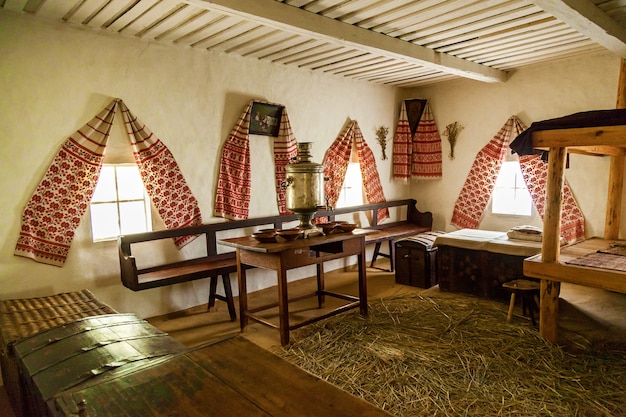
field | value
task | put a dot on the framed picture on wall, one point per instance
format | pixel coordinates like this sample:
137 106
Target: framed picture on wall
265 119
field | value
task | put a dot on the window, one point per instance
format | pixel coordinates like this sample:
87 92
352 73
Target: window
510 195
120 204
352 190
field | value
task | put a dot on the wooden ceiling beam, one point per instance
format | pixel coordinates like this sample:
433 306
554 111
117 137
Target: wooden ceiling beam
587 18
302 22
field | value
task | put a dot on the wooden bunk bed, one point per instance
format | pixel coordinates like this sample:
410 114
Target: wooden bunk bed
552 265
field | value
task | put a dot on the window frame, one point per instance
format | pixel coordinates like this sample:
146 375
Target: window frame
518 186
145 200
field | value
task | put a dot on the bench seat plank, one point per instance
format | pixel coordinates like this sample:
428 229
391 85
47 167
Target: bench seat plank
187 271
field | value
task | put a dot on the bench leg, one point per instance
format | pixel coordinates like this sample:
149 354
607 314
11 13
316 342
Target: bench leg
227 297
212 292
392 256
375 255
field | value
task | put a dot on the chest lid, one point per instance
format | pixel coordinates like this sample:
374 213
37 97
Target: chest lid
68 355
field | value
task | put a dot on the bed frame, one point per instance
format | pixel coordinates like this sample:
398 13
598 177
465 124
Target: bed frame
550 265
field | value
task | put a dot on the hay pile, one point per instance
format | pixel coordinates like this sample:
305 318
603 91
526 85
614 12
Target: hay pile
416 356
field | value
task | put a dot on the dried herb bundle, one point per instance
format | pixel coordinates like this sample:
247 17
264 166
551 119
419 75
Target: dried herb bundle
381 136
452 132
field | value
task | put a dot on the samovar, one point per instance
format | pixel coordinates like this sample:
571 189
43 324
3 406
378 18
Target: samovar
304 186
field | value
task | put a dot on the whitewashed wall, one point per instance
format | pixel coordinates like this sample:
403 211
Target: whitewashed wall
533 94
54 79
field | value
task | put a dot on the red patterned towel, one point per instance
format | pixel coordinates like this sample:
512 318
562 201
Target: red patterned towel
336 162
232 197
162 178
402 146
426 161
481 180
418 155
479 185
55 209
535 173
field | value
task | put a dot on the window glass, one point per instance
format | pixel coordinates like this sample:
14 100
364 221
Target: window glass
105 189
120 204
352 189
130 186
510 195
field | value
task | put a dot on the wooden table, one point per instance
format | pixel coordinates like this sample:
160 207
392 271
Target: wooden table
283 256
231 377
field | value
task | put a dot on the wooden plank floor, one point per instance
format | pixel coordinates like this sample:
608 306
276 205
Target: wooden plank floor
595 313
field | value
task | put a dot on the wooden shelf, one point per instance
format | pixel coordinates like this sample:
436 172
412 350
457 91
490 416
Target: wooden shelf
582 275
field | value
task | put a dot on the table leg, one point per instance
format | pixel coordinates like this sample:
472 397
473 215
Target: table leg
362 280
243 293
283 306
320 285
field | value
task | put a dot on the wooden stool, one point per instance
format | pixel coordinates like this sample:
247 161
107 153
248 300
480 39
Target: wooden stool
527 290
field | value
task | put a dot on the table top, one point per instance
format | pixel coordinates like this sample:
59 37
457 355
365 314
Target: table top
251 244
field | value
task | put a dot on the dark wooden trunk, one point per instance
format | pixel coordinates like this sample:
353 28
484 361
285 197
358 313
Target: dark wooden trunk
416 260
477 272
231 377
87 350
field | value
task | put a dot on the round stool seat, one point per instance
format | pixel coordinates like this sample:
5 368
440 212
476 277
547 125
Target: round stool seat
527 289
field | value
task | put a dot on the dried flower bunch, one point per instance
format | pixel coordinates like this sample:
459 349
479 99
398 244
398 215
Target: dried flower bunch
381 135
452 132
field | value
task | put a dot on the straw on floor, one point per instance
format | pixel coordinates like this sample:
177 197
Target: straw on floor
419 356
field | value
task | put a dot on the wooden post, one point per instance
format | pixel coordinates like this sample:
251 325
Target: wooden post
549 302
616 175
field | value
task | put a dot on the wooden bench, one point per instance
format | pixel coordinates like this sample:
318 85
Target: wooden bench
213 264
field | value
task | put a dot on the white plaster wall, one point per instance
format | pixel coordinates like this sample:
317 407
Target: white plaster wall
533 93
54 79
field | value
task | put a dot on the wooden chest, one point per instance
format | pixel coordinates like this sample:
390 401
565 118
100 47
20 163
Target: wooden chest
416 260
86 350
230 377
478 262
24 317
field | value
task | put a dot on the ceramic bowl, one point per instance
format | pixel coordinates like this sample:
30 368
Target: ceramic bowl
289 234
265 237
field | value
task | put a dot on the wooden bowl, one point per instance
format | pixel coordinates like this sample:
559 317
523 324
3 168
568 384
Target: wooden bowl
347 227
265 237
328 228
289 234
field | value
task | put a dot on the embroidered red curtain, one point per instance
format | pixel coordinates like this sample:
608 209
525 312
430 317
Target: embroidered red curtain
232 196
336 160
57 205
164 182
478 188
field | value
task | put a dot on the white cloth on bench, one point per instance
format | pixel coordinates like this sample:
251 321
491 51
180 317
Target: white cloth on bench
490 241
